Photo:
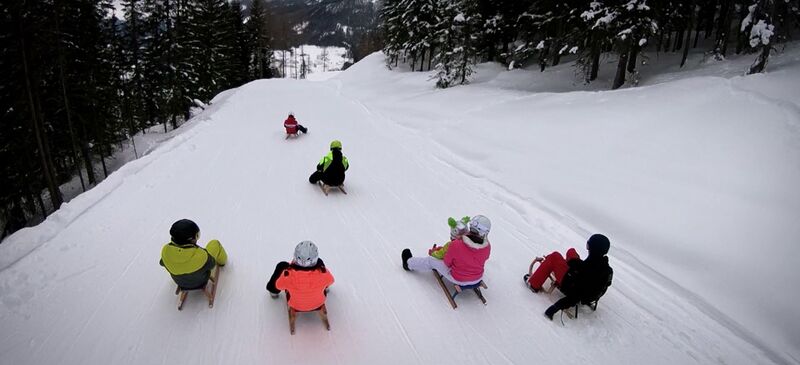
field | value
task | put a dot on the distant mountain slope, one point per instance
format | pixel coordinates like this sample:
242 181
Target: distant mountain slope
324 22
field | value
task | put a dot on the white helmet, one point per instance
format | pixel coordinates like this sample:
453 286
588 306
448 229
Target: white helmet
306 254
480 225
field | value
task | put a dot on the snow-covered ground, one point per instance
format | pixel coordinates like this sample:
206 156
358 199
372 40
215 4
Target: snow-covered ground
693 179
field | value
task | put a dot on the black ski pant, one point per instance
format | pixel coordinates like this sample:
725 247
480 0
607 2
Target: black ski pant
315 177
283 265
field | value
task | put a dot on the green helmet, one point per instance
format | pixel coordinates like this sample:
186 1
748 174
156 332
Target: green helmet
336 144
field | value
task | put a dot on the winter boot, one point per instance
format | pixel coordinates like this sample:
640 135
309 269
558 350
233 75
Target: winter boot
527 277
550 312
406 255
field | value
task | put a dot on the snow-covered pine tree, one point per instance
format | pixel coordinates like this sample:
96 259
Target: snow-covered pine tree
499 27
156 55
631 24
457 39
395 32
760 29
241 47
419 17
133 89
260 41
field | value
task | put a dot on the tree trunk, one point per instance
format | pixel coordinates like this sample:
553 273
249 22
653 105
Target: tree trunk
696 36
679 40
619 79
723 29
38 127
103 162
669 41
711 9
39 200
595 55
67 108
692 19
87 156
741 39
634 54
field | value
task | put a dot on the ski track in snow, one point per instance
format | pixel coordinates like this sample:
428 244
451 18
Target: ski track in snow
247 186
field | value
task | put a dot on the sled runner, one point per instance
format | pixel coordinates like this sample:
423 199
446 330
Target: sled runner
327 188
292 135
552 277
322 311
451 297
210 290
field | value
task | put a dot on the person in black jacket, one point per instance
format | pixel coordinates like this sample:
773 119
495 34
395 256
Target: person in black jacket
581 281
331 168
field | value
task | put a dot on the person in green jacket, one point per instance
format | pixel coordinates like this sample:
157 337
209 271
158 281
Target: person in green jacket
331 167
189 264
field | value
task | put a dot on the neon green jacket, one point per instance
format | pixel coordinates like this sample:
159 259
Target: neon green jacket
326 160
190 265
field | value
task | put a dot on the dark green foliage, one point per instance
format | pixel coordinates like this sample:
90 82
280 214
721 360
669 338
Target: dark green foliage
525 32
78 82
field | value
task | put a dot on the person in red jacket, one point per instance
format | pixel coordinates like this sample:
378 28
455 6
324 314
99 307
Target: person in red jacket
464 258
305 280
292 127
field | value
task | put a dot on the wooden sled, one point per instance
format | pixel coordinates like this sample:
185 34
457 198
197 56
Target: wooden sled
322 311
210 290
451 296
327 188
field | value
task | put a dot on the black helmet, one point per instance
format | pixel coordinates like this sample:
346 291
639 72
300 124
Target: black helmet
598 244
183 231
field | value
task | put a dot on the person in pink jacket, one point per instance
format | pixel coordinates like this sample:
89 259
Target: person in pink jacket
465 257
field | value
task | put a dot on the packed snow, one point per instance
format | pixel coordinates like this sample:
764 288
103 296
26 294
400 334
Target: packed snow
693 178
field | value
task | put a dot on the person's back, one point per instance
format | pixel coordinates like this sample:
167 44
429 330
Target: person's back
188 264
587 280
290 124
305 286
304 279
334 174
331 168
466 257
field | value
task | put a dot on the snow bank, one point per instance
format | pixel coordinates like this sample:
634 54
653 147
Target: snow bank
696 178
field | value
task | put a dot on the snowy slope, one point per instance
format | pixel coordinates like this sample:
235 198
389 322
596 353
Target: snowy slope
692 204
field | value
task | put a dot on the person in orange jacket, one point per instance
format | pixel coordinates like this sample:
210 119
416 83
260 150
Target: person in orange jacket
305 280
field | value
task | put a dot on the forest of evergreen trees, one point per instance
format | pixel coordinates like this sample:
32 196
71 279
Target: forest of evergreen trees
450 36
77 81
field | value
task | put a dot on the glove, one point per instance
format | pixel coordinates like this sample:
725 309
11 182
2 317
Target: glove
438 252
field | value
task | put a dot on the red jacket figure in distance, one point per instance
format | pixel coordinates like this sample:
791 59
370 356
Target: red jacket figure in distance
292 127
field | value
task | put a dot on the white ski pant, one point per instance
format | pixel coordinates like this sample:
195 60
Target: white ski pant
427 263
